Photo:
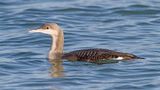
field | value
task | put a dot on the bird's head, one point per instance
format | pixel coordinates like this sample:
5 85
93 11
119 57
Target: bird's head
49 28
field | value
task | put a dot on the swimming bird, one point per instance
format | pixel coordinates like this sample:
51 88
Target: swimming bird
89 55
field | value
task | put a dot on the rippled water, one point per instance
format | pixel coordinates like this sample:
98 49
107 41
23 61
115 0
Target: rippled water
122 25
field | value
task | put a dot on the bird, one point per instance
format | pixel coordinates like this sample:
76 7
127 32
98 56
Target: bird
87 55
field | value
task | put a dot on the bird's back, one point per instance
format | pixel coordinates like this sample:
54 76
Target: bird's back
93 55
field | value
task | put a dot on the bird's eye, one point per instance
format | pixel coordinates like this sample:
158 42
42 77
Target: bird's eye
47 27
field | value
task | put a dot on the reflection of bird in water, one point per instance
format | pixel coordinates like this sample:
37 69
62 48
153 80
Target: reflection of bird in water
57 68
89 55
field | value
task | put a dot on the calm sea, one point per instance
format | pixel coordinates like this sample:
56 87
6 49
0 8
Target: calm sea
131 26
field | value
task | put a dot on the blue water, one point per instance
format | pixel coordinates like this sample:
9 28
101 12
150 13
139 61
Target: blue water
131 26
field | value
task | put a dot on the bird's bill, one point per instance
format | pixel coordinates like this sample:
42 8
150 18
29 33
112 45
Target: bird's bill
37 30
45 31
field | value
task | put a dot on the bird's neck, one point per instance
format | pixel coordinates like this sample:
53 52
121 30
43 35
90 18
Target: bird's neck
57 46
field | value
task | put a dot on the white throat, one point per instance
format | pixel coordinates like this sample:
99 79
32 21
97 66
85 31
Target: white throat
56 49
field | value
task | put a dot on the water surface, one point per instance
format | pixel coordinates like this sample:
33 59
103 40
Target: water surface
127 26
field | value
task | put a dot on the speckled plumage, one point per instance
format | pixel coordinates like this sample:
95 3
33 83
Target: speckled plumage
93 55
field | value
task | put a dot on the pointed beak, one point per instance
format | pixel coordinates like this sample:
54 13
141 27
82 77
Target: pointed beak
37 30
45 31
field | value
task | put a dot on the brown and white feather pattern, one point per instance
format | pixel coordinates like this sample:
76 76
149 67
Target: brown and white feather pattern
97 54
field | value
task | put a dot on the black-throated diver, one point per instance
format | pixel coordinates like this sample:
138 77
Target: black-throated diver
89 55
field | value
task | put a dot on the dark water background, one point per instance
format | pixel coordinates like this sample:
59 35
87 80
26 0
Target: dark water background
124 25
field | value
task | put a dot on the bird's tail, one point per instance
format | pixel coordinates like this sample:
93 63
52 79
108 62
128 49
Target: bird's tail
137 57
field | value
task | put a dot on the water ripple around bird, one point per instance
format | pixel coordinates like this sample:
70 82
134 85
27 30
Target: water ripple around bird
128 26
